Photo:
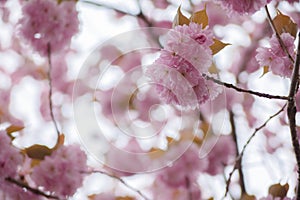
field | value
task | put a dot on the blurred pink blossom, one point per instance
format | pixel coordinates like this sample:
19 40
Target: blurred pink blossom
187 167
10 157
275 57
243 7
46 22
223 150
62 172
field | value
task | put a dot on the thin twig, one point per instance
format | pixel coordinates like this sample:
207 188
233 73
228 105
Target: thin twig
292 110
33 190
107 7
236 165
259 94
277 35
50 91
122 181
239 162
188 187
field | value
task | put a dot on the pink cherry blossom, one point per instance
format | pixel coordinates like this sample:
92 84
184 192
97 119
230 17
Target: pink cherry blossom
10 157
221 153
177 73
243 7
61 172
46 22
275 57
171 85
185 168
191 43
10 161
162 4
163 191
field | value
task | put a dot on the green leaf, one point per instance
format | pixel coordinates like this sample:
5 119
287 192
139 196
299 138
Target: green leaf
180 19
278 190
284 24
217 46
200 17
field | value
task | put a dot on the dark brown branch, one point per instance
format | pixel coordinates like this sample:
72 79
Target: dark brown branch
239 162
277 35
236 165
50 91
33 190
292 113
229 85
122 181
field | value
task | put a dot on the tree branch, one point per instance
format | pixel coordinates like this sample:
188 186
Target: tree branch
50 90
239 162
292 113
122 181
33 190
236 164
229 85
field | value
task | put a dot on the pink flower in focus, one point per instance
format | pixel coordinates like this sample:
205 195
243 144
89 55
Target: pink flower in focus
192 44
221 153
275 57
243 7
46 22
172 86
10 158
177 73
61 172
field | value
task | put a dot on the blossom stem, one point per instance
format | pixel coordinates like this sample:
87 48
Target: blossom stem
33 190
50 91
239 157
259 94
188 187
239 162
277 35
122 181
291 112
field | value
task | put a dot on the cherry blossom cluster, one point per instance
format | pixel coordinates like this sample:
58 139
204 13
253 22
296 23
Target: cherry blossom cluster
177 180
60 173
178 72
275 57
243 7
46 23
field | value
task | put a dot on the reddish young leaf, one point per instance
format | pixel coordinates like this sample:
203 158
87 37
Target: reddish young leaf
125 198
200 17
284 24
265 70
248 197
37 151
217 46
180 19
278 190
13 128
